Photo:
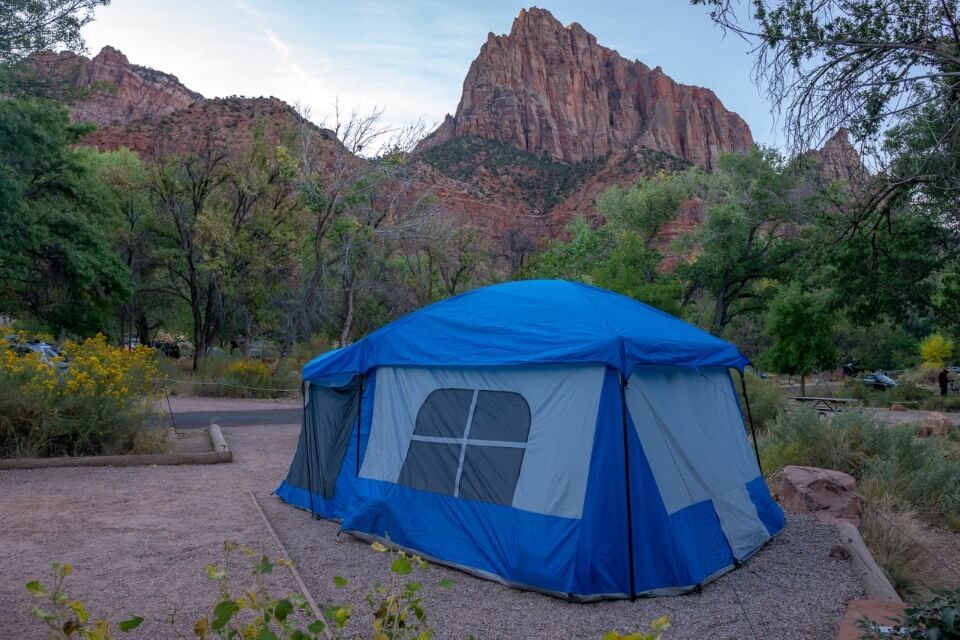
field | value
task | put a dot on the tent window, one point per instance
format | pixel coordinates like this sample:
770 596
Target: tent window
468 443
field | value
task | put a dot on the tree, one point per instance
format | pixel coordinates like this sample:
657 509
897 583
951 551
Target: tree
30 26
888 71
801 327
57 261
753 209
935 350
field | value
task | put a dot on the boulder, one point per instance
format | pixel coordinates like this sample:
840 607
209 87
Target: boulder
897 407
830 495
935 424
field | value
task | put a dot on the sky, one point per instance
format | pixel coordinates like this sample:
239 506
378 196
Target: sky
409 57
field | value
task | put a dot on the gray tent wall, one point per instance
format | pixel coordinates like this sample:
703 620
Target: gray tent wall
329 415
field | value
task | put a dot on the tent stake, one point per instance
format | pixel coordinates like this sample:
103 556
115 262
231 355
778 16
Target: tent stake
753 433
626 473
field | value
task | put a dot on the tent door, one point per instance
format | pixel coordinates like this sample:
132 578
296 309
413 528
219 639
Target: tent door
329 416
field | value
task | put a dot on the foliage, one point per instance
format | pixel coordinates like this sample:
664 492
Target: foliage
97 405
936 619
68 618
540 180
752 203
56 259
657 627
935 351
767 400
924 473
30 26
801 328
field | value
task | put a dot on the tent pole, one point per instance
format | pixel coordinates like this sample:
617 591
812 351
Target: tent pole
359 422
753 433
626 473
306 438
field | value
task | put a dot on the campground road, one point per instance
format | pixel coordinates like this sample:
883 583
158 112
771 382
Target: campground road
233 418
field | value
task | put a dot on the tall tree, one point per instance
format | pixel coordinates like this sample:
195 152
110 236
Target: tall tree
753 208
57 262
801 327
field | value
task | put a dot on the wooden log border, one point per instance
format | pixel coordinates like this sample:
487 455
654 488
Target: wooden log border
220 454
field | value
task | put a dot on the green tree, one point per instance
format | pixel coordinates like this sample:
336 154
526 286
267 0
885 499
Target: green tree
57 261
753 209
800 325
29 26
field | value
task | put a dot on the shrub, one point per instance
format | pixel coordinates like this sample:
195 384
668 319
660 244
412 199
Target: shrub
97 405
935 350
925 473
242 378
936 619
767 400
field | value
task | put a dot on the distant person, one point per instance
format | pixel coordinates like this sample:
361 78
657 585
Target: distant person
943 380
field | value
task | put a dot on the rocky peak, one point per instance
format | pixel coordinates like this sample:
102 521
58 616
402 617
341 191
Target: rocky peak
838 161
111 89
546 88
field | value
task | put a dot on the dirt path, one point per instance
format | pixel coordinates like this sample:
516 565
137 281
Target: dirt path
139 537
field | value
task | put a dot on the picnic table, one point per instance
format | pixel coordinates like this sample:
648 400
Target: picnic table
827 405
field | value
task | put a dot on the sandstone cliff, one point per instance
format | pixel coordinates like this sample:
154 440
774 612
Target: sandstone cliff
546 88
838 161
111 89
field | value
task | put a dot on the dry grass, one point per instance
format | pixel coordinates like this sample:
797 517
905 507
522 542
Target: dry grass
151 441
902 545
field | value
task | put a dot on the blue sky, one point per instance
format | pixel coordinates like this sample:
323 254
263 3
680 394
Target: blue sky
408 57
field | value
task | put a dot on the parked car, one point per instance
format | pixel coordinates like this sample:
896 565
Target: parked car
49 354
878 381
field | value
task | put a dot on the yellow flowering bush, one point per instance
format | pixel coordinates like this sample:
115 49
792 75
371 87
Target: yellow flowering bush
92 401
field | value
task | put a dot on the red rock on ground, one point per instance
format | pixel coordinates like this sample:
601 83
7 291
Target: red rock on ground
830 495
935 424
879 611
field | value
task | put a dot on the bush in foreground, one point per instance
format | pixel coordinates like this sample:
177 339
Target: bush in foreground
99 405
394 609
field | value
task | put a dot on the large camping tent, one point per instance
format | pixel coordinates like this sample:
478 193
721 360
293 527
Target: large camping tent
546 434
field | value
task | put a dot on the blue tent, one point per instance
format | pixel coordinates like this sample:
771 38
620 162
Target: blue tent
545 434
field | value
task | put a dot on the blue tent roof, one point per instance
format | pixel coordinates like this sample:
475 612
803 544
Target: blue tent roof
532 322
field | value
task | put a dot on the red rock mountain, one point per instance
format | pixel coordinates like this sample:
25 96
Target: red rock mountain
115 91
546 88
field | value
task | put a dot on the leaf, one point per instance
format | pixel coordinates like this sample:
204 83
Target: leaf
446 583
267 634
37 589
201 628
339 582
316 626
130 624
214 572
414 586
401 566
264 567
222 613
376 546
283 609
40 614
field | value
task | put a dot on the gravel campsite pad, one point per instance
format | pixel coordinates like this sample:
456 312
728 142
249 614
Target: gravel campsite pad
140 538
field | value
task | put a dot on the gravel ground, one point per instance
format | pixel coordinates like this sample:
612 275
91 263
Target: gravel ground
791 589
139 539
192 441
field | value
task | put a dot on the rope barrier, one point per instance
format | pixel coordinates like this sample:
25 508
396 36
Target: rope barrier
226 384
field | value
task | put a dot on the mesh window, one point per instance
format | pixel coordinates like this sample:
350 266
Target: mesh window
431 466
490 473
444 413
500 415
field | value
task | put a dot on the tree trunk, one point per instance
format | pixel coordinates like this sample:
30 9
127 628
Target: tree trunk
347 315
803 385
